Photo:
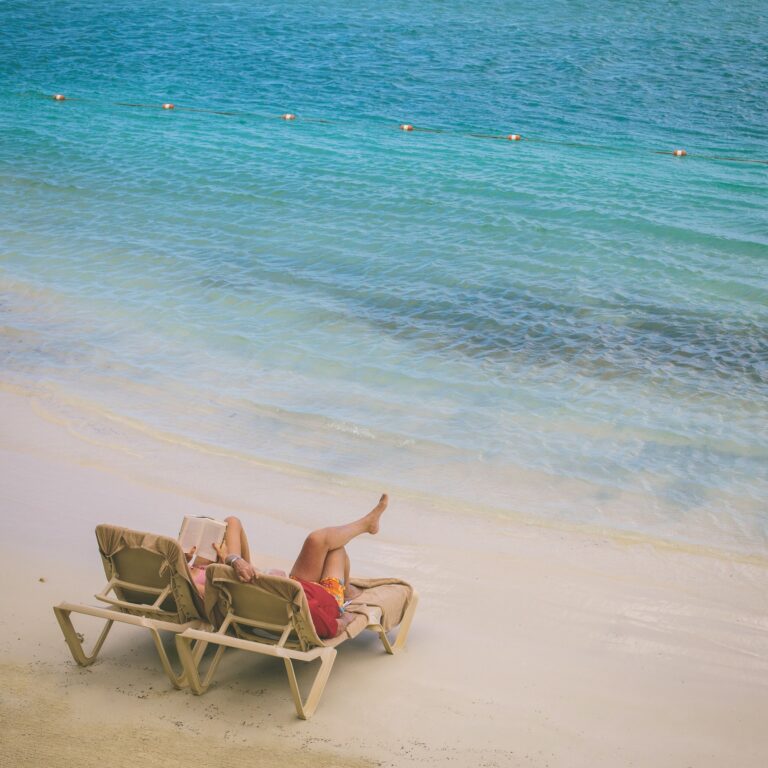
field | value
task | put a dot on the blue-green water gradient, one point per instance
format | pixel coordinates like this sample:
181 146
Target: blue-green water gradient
436 310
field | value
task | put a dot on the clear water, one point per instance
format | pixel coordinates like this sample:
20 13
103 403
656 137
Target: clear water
574 313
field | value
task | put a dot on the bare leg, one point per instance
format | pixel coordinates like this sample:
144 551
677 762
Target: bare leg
350 592
337 566
334 566
235 538
310 564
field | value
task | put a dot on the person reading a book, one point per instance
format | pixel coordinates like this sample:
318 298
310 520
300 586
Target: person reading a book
322 567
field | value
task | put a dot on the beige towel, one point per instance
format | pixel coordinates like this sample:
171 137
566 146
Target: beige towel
391 595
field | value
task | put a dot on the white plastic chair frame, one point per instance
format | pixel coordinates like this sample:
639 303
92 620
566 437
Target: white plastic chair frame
188 643
147 616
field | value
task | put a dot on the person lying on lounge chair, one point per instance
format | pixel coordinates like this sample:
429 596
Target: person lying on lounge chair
322 567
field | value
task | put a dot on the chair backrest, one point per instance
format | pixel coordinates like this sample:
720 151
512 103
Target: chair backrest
248 602
273 607
148 575
141 567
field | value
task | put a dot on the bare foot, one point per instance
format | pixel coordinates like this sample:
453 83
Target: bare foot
374 515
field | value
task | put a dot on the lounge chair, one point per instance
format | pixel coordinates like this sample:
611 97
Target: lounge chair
270 616
149 586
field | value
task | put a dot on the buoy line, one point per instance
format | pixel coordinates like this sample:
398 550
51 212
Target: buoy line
411 128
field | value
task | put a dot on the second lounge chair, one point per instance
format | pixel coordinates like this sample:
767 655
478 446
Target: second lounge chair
271 617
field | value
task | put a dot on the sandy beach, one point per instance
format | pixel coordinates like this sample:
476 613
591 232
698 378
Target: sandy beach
504 263
532 646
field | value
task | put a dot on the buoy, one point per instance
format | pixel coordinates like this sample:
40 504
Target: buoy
514 137
59 97
169 106
406 127
288 116
679 153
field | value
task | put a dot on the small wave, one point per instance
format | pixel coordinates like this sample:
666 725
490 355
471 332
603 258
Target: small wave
352 429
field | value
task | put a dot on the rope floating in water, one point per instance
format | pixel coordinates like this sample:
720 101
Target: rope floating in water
410 128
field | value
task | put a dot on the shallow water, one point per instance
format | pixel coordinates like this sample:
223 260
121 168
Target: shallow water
573 314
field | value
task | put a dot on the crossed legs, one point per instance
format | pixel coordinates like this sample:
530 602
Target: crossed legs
323 554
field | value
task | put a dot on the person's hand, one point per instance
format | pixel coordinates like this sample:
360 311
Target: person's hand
344 621
245 571
221 551
189 555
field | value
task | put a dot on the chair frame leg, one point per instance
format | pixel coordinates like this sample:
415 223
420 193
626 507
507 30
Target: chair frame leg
75 643
305 709
110 616
191 653
404 628
178 680
405 624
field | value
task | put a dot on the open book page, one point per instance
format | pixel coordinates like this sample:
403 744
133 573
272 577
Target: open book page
203 533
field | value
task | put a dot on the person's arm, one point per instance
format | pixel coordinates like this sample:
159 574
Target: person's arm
244 571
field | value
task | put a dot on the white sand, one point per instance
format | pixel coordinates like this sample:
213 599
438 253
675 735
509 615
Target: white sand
532 646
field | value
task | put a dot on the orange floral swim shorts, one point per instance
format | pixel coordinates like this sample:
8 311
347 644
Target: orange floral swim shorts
335 588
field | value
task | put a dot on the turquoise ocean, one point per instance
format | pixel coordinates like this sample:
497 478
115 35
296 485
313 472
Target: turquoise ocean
488 320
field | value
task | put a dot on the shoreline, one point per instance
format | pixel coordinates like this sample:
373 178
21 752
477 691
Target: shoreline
92 423
58 354
531 645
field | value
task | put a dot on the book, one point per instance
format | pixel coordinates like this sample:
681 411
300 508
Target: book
203 533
